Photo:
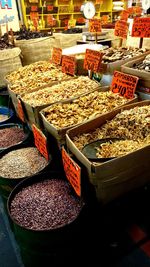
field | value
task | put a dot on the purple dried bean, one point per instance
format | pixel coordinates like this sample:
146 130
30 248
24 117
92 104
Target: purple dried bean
45 205
11 136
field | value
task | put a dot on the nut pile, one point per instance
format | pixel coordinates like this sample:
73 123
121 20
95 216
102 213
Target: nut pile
83 108
21 163
117 148
132 124
45 205
122 53
65 90
145 65
35 75
11 136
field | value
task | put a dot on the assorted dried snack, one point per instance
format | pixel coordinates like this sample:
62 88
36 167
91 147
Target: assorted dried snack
65 90
21 163
132 124
113 54
11 136
35 75
84 108
45 205
117 148
144 65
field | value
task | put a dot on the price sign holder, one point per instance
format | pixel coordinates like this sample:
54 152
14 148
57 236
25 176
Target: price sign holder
72 171
57 55
92 61
124 84
69 65
141 28
20 111
40 141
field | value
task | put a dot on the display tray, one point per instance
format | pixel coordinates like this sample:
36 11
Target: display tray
33 113
60 134
115 177
144 76
109 68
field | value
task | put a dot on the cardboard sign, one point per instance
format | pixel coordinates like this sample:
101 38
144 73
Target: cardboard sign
20 111
92 60
124 84
71 23
95 25
72 171
124 15
34 8
40 141
69 65
56 55
121 29
141 27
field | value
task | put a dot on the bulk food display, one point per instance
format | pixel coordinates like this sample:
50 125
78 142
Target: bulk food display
33 76
124 170
12 134
45 205
22 162
132 124
58 118
114 58
72 88
141 68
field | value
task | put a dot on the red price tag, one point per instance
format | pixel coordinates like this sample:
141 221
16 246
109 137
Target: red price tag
92 60
124 15
121 29
20 111
69 65
95 25
141 27
34 8
56 55
124 84
50 8
40 141
73 172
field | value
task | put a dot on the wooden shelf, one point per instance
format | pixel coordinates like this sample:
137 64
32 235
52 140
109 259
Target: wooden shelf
105 8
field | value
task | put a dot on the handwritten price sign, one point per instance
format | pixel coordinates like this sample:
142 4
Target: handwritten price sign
56 55
69 65
92 60
95 25
124 84
141 27
124 15
40 141
121 29
73 172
